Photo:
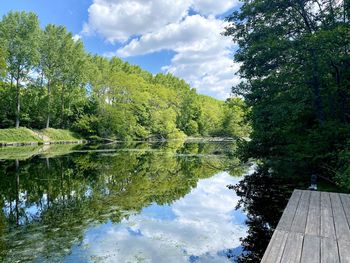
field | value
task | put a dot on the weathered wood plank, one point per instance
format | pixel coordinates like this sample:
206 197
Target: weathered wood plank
327 220
286 220
299 222
345 199
313 223
342 229
311 250
317 228
344 251
293 247
329 251
275 249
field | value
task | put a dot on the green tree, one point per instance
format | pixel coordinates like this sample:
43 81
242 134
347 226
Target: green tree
295 57
73 79
19 31
2 63
52 51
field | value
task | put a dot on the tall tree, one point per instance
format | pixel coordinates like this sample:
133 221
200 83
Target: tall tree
20 33
74 69
295 66
2 63
52 50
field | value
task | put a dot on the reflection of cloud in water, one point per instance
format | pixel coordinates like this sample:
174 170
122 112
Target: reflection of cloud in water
197 228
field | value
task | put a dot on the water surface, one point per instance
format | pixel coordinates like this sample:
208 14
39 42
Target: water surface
122 203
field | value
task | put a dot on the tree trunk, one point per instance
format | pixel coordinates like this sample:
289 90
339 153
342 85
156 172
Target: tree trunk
62 108
48 105
317 88
18 109
316 84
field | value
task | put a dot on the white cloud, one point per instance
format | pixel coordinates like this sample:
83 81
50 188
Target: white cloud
117 20
203 225
76 37
203 55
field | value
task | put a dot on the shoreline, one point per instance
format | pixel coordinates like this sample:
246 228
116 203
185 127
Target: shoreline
23 144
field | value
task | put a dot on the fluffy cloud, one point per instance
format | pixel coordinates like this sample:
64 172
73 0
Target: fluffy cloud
117 20
203 56
76 37
203 225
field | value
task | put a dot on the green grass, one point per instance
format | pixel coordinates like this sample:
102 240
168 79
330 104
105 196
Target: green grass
19 153
24 135
58 135
55 150
47 151
20 135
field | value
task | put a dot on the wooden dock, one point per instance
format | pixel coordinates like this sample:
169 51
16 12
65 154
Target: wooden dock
314 228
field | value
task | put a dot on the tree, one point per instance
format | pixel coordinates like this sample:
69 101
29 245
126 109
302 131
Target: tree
295 60
2 63
52 50
19 31
74 63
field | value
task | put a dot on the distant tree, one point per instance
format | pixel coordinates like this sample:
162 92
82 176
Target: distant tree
74 77
2 63
52 51
20 31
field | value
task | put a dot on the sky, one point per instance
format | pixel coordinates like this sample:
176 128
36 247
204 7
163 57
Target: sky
200 227
182 37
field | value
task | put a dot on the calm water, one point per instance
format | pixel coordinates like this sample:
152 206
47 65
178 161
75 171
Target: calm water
171 202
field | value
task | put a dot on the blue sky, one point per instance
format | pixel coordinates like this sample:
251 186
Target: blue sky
192 229
182 37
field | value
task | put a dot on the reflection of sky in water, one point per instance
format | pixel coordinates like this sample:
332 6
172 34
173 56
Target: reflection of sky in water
201 227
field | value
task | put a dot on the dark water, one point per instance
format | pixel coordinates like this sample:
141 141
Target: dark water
170 202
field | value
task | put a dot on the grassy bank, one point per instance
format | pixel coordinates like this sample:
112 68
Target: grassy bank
27 136
59 135
20 135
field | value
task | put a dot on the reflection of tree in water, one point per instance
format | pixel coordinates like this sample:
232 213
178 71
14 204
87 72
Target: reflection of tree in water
49 202
263 197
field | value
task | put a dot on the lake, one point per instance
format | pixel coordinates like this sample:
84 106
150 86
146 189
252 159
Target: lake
136 202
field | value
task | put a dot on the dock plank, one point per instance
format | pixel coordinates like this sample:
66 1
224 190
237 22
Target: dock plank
344 251
327 220
314 228
275 248
311 250
313 224
342 229
292 251
287 217
329 251
345 199
299 222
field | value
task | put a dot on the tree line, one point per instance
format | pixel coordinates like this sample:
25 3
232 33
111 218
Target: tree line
68 192
49 80
296 77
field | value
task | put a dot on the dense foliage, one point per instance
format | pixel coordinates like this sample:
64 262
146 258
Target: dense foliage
48 203
48 80
295 64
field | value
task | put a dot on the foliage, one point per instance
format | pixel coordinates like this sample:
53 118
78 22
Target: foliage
19 33
295 60
59 85
67 194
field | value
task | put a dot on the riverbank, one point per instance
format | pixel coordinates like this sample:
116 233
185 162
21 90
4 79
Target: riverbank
25 136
